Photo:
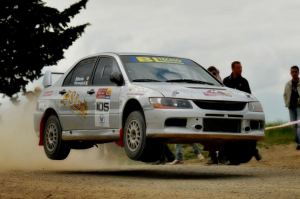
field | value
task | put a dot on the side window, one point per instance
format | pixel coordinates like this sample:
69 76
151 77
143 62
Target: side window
81 74
105 67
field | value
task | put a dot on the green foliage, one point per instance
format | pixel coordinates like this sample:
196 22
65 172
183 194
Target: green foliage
279 136
32 36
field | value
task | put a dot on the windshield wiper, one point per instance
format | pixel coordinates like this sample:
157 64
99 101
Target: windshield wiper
189 81
145 80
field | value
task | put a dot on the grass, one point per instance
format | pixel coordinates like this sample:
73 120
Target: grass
278 136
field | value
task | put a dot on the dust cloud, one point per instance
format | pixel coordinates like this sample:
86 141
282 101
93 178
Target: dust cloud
19 148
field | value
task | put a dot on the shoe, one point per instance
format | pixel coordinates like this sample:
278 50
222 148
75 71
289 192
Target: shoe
200 157
176 162
298 148
211 162
158 162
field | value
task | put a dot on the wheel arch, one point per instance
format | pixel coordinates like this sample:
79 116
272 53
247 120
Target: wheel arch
47 114
130 106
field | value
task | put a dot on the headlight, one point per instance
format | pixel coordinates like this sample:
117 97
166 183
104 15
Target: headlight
255 107
170 103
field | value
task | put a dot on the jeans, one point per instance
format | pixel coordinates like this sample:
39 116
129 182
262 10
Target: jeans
179 151
166 154
295 115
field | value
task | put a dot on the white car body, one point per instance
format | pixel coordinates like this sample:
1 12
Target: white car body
217 113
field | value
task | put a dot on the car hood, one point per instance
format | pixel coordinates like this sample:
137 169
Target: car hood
198 91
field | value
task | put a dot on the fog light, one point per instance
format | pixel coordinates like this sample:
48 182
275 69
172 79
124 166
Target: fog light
247 128
198 127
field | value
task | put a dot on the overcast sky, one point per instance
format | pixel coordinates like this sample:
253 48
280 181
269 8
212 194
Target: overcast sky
264 35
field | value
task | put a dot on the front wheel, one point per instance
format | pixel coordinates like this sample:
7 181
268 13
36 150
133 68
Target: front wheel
137 147
135 135
54 147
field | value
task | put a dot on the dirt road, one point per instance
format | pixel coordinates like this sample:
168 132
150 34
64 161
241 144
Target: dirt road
277 176
147 181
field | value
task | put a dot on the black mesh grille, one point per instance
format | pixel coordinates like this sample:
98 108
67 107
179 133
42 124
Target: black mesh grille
222 125
220 105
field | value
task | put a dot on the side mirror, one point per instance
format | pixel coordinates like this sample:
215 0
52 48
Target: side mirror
47 80
117 78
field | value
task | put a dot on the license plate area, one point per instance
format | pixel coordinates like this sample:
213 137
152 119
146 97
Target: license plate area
222 125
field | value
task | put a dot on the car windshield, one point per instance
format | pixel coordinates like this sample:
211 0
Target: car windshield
165 69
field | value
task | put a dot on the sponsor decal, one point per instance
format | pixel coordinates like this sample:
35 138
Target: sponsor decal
81 81
146 59
104 93
48 93
213 92
136 91
102 112
102 107
72 100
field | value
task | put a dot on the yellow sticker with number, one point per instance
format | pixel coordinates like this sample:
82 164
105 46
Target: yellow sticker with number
168 60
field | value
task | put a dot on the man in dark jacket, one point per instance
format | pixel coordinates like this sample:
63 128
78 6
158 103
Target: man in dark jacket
235 80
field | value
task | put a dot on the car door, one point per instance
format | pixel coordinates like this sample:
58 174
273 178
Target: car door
76 103
107 103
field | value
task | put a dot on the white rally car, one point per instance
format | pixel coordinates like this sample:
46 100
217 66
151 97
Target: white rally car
143 101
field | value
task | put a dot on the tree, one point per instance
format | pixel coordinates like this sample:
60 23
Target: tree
33 35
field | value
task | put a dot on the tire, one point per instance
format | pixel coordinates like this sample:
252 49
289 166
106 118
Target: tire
136 146
54 147
135 135
238 153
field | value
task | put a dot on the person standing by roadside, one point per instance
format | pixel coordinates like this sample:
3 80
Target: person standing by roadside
166 156
212 154
179 153
292 100
235 79
215 72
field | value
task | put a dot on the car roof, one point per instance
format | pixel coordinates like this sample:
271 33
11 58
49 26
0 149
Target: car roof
130 53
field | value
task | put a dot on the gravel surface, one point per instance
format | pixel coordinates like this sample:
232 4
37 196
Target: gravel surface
149 181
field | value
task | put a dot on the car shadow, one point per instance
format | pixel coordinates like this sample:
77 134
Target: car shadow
153 173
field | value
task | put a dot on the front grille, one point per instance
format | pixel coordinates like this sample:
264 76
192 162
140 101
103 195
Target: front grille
222 125
220 105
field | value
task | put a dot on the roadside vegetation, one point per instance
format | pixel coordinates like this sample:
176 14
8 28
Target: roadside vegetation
278 136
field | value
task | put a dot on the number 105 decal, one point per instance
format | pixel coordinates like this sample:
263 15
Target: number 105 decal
102 113
102 106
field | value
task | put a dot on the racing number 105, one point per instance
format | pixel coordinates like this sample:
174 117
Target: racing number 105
102 106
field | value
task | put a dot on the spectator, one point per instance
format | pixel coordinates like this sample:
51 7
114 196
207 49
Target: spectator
292 102
215 72
179 154
166 156
235 80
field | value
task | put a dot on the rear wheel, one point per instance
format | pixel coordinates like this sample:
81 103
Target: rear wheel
54 147
137 147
